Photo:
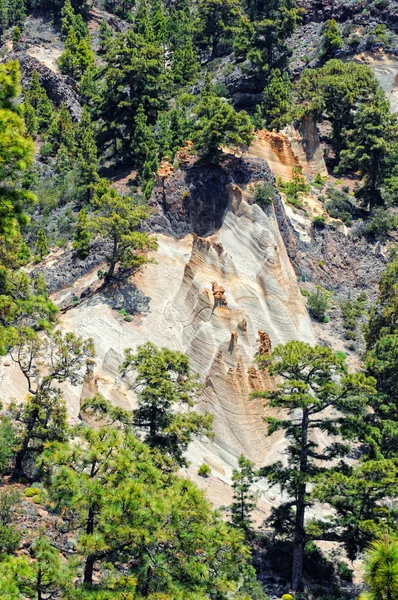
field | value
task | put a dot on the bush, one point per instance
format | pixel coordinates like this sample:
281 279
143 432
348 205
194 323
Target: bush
319 222
287 597
339 206
351 311
294 188
30 492
46 150
204 470
318 304
264 194
344 571
380 225
9 539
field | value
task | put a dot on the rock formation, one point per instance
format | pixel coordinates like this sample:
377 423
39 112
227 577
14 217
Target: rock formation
219 295
265 343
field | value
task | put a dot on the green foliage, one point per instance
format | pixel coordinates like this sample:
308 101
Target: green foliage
294 188
135 71
82 240
10 537
244 501
7 444
41 246
363 128
16 153
318 303
204 470
165 382
218 124
118 219
157 527
313 380
78 56
331 39
277 100
42 418
381 575
216 21
351 311
339 206
380 225
319 222
264 194
264 35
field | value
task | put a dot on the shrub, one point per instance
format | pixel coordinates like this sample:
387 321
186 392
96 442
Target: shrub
9 538
294 188
380 225
204 470
30 492
264 194
318 304
339 206
344 571
351 310
46 150
36 499
319 222
319 179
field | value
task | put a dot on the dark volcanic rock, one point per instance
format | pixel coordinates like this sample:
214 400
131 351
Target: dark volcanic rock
195 198
58 87
361 12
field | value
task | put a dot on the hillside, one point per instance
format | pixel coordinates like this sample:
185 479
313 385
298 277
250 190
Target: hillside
198 283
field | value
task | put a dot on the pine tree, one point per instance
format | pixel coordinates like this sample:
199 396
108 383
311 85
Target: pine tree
185 64
313 381
31 120
220 125
362 501
165 382
244 502
143 141
41 246
370 143
82 240
105 33
63 162
36 96
3 17
277 100
118 219
43 418
156 528
216 20
331 39
381 575
15 158
62 131
134 75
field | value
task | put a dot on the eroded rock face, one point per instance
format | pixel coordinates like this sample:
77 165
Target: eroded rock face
196 197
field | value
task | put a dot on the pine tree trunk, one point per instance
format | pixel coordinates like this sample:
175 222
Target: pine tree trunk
91 558
299 532
89 568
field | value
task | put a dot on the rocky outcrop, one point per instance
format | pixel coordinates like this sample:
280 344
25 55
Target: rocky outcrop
361 12
195 198
59 88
